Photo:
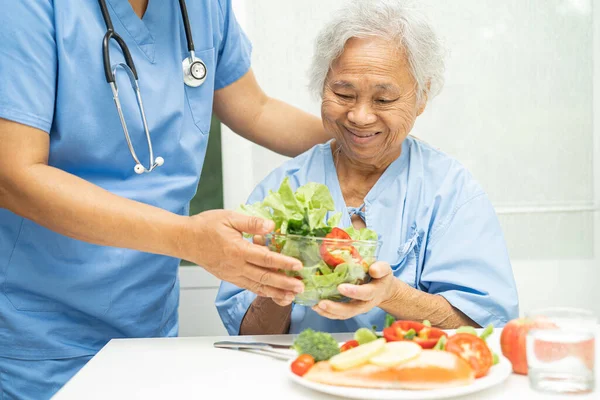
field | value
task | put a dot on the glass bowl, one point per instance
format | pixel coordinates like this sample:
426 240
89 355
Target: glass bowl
327 264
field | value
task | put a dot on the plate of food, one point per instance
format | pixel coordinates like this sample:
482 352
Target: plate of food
400 364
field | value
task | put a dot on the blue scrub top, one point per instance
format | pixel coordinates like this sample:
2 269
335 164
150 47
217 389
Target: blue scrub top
61 297
439 231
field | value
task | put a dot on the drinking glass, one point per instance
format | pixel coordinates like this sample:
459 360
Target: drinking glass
561 350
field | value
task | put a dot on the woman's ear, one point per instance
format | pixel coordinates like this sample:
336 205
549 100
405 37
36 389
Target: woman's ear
422 106
423 102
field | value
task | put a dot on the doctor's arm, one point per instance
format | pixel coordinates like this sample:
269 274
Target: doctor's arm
266 121
73 207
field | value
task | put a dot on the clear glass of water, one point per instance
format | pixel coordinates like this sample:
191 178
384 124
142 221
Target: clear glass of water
561 350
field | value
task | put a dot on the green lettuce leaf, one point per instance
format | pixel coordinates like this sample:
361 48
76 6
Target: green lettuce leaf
255 210
315 195
361 234
334 220
303 212
367 252
316 218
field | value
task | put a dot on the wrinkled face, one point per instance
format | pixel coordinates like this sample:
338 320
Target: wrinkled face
370 101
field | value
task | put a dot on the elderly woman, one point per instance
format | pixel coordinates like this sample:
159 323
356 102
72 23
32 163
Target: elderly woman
443 254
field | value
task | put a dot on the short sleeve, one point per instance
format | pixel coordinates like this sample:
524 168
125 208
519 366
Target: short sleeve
232 304
234 53
467 262
28 62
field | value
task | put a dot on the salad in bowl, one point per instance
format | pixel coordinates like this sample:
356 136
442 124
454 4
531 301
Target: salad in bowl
306 228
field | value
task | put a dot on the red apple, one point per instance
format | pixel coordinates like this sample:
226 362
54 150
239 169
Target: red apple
513 345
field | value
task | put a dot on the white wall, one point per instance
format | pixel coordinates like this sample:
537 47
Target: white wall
523 82
197 313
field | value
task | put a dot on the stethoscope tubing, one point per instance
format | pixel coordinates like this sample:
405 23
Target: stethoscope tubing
110 73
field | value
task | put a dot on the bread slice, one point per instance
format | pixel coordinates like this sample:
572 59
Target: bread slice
432 369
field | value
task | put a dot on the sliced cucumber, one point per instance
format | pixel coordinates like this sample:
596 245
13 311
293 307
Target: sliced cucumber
364 335
357 355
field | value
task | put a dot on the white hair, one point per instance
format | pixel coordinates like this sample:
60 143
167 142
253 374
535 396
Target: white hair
396 20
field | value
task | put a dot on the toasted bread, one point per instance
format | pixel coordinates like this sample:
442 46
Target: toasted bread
432 369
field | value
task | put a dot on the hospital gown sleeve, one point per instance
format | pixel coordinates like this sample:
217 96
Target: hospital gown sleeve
234 53
466 262
28 62
232 304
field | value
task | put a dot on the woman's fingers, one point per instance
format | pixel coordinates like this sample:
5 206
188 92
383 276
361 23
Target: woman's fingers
336 310
379 270
324 313
365 292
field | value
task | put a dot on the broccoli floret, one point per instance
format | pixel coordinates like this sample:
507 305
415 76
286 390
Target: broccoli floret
321 345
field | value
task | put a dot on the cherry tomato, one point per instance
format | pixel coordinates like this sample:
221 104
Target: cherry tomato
473 350
424 336
350 344
302 364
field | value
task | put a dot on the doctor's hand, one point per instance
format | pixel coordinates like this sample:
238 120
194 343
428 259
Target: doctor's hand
380 289
218 246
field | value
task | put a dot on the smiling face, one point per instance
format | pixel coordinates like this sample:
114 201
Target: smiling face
370 101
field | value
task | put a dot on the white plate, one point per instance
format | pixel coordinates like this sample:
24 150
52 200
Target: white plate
497 374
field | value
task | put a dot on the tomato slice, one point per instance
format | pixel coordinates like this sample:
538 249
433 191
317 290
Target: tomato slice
350 344
424 336
338 233
331 252
302 364
473 350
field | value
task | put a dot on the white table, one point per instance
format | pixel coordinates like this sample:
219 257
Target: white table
191 368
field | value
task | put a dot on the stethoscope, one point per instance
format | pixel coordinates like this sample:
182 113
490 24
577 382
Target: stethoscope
194 74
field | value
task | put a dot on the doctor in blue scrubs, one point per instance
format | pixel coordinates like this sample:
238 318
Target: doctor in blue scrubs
94 198
443 256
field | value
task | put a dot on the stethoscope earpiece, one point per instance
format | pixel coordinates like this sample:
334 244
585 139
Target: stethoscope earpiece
139 169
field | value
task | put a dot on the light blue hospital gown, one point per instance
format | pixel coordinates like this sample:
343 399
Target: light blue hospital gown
439 230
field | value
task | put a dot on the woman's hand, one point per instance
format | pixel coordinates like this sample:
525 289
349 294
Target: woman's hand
218 246
381 289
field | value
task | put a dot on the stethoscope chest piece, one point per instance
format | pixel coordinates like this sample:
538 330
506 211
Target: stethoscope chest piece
194 71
